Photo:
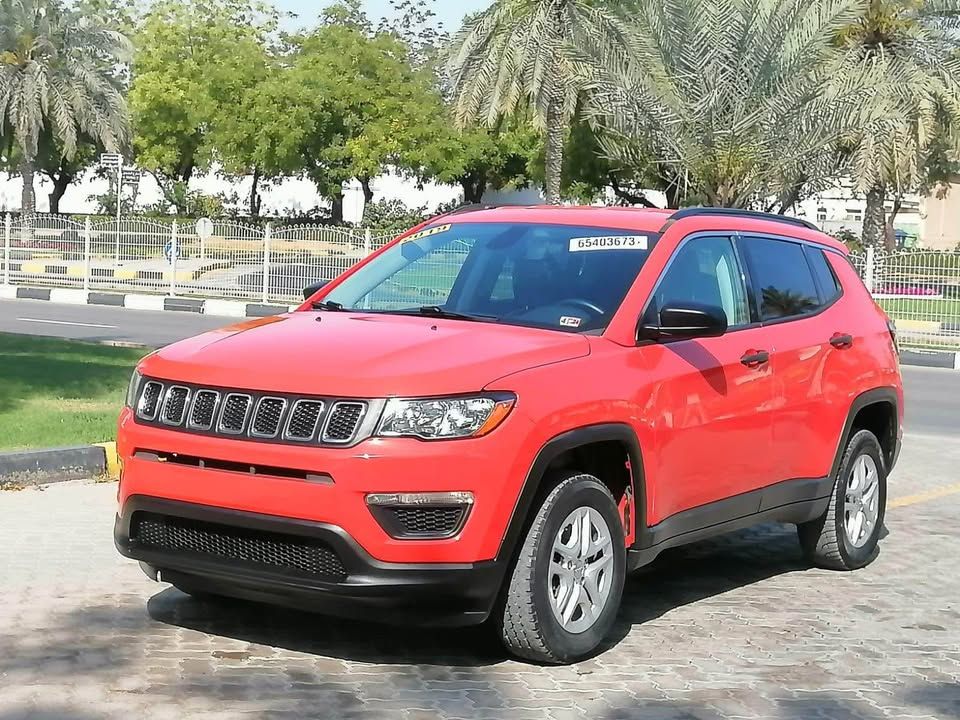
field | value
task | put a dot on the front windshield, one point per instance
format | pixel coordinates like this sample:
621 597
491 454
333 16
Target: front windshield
561 277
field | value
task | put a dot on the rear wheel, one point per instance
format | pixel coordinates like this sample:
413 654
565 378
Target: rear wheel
846 536
565 589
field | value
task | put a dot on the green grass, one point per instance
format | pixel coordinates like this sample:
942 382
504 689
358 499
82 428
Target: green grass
59 392
919 309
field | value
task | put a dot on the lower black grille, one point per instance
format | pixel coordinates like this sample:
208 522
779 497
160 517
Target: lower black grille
289 554
412 521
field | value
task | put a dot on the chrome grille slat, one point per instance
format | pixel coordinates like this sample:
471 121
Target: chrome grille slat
176 400
303 421
252 415
148 404
343 421
234 413
267 417
203 410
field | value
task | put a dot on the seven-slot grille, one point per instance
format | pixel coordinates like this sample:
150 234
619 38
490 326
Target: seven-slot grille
259 416
275 552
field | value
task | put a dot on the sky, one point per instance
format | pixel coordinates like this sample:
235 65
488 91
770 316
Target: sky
449 12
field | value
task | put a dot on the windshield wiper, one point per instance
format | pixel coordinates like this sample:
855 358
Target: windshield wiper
327 305
437 311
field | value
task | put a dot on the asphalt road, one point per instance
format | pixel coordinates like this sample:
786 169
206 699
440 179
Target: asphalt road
933 395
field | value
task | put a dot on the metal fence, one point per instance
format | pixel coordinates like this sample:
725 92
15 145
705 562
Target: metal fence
268 263
920 290
272 263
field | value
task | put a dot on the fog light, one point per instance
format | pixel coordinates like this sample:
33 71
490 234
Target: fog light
421 516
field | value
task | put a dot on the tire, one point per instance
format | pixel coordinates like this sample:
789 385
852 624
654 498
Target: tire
826 541
529 625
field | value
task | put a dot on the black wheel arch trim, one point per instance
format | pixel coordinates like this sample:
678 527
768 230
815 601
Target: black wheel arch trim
877 396
554 448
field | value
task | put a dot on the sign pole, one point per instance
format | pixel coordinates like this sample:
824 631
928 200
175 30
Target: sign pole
119 197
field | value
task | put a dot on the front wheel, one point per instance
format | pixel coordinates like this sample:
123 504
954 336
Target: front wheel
845 537
565 589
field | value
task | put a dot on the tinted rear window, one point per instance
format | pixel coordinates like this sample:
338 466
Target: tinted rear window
781 273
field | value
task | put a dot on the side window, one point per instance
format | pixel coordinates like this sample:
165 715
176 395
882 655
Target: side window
780 271
826 280
706 270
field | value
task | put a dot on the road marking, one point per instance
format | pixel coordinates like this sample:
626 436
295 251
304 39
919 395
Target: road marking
924 496
65 322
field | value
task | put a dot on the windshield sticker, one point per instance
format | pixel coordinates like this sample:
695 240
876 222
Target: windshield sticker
613 242
428 232
569 321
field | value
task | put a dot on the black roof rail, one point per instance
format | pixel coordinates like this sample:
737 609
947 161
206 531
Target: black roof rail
737 212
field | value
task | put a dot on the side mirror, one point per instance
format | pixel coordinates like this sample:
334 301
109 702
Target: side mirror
311 289
681 321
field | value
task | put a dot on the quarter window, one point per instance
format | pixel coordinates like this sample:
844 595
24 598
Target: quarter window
780 271
826 280
706 271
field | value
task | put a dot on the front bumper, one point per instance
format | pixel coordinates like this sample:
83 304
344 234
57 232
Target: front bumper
429 593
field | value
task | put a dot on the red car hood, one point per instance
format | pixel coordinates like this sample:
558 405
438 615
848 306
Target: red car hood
360 355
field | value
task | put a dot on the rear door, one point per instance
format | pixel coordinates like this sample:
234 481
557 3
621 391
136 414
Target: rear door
711 408
796 291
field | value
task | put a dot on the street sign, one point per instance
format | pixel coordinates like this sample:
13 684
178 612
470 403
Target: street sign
204 228
168 252
111 160
130 176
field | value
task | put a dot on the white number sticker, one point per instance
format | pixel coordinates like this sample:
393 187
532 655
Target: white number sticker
613 242
570 321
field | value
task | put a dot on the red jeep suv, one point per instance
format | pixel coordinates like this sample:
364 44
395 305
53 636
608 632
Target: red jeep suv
505 410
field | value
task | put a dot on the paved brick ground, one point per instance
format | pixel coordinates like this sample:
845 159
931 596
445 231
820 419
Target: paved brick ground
730 628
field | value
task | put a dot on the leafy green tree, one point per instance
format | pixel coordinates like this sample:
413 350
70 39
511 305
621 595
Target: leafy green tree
913 46
199 67
517 53
58 75
735 102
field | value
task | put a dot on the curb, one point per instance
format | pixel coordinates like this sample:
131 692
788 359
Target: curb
36 467
142 301
930 358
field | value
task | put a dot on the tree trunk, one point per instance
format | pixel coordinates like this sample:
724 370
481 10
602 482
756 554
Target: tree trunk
367 190
873 216
255 199
474 185
61 182
554 151
890 233
336 208
28 197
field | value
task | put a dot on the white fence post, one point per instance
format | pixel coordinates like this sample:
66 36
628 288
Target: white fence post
7 231
266 263
366 242
869 263
174 251
86 254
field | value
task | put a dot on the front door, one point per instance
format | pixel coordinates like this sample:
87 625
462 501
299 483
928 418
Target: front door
713 398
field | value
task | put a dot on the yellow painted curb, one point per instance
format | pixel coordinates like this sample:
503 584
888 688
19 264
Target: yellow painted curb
113 460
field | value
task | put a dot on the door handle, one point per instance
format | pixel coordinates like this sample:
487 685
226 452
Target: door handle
755 358
841 341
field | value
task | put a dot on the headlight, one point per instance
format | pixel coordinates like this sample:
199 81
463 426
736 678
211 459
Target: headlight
444 418
133 389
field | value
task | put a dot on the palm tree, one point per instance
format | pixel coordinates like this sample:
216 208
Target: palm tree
517 53
913 46
736 102
57 73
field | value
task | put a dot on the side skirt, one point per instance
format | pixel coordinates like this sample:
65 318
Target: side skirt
791 501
